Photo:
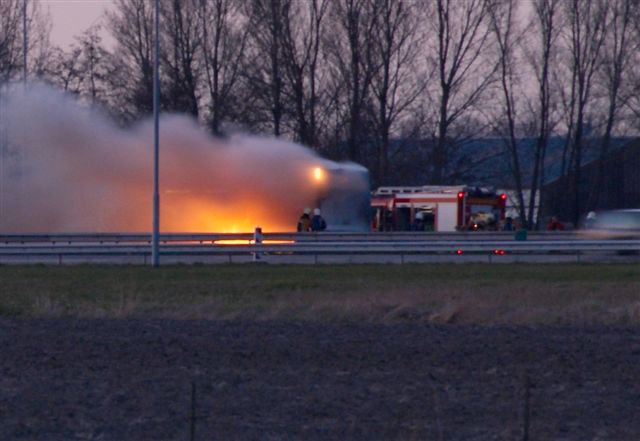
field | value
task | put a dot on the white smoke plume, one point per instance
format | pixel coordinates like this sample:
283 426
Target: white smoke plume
66 168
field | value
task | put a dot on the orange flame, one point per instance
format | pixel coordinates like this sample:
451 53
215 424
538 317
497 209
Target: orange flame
251 242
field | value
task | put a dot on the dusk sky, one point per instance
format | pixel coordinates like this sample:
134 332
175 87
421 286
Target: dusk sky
71 17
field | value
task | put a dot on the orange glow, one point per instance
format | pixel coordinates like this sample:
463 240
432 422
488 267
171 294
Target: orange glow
318 174
202 213
98 178
233 242
251 242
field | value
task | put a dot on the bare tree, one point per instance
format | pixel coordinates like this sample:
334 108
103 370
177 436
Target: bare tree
545 25
632 102
11 38
396 84
351 56
302 33
83 69
64 69
502 14
619 48
131 25
462 30
263 71
93 66
181 46
223 44
587 20
10 43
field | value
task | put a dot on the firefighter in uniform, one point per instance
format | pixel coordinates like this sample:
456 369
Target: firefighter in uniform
304 223
317 221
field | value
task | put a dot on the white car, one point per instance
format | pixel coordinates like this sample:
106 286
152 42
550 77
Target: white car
613 224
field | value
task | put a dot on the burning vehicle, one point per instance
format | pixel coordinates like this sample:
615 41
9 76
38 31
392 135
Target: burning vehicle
70 169
343 196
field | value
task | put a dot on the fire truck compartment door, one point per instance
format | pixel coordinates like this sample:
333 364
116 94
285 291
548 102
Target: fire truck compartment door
446 217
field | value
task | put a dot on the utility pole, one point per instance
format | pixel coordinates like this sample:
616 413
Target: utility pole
155 251
25 42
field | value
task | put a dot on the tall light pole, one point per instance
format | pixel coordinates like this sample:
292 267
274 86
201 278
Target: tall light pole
155 251
25 42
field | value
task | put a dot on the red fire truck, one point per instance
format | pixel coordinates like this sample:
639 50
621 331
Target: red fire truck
437 208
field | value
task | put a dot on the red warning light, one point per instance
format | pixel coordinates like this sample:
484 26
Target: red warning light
499 252
458 252
503 197
460 194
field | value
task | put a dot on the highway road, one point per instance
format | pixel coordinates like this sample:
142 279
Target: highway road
322 248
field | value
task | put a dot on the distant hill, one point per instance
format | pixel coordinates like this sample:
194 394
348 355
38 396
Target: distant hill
483 161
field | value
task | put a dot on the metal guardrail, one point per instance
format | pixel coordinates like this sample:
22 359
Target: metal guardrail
167 238
311 248
57 253
425 247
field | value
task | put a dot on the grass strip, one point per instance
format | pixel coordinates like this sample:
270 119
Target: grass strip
476 293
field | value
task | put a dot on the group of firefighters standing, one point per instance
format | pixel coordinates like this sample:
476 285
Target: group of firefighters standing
307 222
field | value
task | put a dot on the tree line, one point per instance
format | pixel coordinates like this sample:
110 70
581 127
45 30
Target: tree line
398 86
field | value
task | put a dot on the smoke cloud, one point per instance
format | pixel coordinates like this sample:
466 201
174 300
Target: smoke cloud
66 168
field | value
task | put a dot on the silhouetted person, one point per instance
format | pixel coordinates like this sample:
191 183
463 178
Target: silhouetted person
304 223
555 224
590 221
508 224
317 221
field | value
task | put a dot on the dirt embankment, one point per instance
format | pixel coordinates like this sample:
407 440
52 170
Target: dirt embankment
132 380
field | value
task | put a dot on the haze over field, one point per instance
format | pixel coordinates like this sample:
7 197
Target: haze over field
68 169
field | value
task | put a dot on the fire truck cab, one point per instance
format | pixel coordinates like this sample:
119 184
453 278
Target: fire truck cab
437 208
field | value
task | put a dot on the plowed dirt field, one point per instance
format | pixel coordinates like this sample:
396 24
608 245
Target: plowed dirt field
66 379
